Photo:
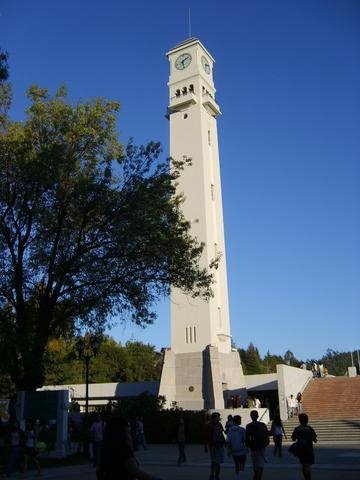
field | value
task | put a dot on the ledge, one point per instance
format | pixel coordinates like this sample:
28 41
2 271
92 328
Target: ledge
181 101
211 106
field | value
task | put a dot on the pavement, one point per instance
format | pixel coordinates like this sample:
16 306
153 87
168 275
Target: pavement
333 462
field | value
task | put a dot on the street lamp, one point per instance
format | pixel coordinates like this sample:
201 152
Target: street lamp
87 348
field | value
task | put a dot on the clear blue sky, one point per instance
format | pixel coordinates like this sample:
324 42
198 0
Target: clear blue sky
287 78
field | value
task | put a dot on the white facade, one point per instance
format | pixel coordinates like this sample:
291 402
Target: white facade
200 370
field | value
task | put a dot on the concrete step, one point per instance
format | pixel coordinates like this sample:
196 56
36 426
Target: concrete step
329 430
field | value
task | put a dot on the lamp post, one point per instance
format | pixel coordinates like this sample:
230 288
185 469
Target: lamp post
87 348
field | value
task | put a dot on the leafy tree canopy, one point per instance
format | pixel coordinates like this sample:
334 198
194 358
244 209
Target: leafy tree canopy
89 230
132 362
251 360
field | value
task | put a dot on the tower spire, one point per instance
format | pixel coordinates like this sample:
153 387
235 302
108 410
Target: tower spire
189 22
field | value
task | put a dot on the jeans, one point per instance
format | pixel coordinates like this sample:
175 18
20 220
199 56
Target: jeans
182 456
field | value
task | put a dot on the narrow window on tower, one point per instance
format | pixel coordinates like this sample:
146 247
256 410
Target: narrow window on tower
186 335
191 336
209 138
212 192
215 249
219 311
191 88
194 334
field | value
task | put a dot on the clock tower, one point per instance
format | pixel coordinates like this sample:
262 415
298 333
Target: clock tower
200 369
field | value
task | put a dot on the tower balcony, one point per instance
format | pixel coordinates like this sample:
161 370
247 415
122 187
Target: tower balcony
211 106
180 101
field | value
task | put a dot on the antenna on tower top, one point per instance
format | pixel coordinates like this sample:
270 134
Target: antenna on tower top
189 22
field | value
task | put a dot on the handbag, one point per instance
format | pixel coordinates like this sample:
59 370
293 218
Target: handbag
294 449
299 447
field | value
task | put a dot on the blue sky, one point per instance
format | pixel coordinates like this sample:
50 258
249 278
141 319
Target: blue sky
287 78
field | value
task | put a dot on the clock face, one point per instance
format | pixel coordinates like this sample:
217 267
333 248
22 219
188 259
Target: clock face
183 61
205 64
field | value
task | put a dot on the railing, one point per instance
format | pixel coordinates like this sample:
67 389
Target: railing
305 384
264 412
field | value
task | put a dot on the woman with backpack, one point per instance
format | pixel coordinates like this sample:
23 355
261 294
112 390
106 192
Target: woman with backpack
304 436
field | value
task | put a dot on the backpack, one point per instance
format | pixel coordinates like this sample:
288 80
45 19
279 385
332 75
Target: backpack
215 435
236 440
257 436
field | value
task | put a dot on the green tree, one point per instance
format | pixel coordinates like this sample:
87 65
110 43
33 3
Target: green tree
144 363
270 361
61 365
89 230
289 359
251 360
336 362
135 361
110 364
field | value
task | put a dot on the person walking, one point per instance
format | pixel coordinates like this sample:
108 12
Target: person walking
257 439
291 406
257 403
17 443
30 447
277 430
229 423
304 436
215 441
181 441
299 403
236 442
97 433
117 459
141 440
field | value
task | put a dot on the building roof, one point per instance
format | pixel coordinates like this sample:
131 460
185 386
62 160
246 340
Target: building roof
108 390
187 42
261 382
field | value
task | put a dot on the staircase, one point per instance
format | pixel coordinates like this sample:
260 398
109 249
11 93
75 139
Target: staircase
332 398
333 407
329 430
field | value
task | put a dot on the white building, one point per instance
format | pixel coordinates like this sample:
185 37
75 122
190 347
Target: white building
200 369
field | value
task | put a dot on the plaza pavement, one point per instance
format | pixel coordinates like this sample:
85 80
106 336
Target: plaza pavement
333 462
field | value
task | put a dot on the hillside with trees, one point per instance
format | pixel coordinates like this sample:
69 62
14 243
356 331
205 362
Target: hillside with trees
136 361
335 361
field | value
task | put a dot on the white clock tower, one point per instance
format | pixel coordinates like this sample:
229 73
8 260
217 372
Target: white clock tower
200 369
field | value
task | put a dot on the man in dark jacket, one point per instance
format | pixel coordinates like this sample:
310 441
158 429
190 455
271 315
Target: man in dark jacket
257 439
215 441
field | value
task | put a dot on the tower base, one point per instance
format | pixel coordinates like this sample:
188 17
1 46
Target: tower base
201 380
